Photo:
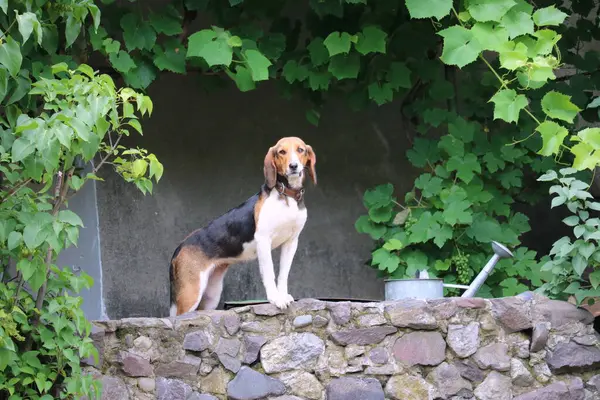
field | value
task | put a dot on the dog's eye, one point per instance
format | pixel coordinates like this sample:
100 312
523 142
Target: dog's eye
300 150
282 152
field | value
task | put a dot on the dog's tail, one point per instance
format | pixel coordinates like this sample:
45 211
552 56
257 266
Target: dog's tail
172 287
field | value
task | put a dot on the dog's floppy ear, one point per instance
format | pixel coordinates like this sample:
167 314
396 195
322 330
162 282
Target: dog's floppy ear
269 169
312 160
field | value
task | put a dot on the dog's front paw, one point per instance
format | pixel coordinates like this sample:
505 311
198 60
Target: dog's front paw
279 300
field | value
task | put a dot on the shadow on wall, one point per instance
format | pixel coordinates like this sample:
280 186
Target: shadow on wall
212 146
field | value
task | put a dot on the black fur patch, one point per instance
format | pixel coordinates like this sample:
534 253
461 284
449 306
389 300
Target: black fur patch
224 237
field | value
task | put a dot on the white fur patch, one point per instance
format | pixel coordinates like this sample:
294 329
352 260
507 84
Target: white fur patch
280 221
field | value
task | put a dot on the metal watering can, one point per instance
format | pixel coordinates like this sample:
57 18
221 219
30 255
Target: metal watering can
424 287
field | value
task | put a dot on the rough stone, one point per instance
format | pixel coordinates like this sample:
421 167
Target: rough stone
539 337
378 355
341 313
178 368
443 309
270 327
347 388
560 313
362 336
572 390
231 347
252 346
542 372
408 387
586 340
147 384
302 384
594 383
573 357
495 387
464 340
519 374
296 350
196 341
446 378
411 313
286 397
172 389
469 370
267 309
134 365
422 348
230 363
470 302
215 382
251 385
302 320
231 322
354 350
198 396
302 306
114 388
142 343
319 321
513 313
518 344
368 320
493 356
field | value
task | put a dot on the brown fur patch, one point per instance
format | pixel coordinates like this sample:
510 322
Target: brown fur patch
278 158
258 206
186 273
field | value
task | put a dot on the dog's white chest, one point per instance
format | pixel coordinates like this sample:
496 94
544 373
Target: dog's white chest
280 220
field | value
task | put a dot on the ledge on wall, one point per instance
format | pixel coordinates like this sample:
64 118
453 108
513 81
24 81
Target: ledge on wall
520 348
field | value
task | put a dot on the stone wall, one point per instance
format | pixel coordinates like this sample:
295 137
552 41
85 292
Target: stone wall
521 348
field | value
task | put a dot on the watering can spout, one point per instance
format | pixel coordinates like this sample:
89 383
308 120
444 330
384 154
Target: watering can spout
500 251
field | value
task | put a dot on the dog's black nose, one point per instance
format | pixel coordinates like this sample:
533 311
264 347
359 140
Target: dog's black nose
293 166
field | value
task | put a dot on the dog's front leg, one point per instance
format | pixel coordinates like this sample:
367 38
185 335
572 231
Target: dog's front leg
267 273
288 250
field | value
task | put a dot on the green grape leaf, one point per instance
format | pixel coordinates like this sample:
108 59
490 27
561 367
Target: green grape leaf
428 9
585 156
508 105
517 23
484 229
490 36
318 52
452 145
141 76
465 167
28 23
590 136
379 196
430 185
424 151
169 22
493 163
559 106
137 33
371 40
319 80
213 48
121 61
242 78
398 76
549 16
515 57
380 94
364 225
344 66
293 72
424 229
337 43
272 46
386 260
111 46
489 10
172 58
258 65
546 39
460 46
10 55
456 210
442 235
511 178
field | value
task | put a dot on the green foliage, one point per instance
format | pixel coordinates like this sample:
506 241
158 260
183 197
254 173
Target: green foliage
574 261
56 115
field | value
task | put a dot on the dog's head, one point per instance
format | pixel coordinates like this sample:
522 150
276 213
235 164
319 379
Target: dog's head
291 158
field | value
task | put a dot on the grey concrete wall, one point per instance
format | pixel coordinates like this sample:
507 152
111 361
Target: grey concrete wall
86 256
212 146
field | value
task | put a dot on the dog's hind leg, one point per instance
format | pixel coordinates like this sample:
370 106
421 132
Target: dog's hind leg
191 270
212 294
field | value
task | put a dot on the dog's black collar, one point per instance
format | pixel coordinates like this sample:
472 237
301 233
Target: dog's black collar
285 190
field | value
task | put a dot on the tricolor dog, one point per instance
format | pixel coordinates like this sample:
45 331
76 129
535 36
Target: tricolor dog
273 217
